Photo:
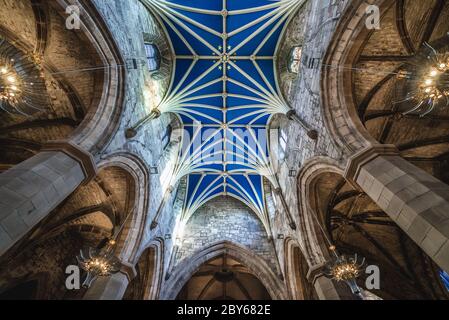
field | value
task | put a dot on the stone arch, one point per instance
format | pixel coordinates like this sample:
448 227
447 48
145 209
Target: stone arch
92 130
184 271
63 102
176 125
364 111
88 217
296 271
83 204
131 237
290 38
355 224
223 278
101 122
313 244
150 271
362 107
338 107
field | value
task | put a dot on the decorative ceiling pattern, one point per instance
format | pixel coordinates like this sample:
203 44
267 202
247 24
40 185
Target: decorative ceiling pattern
225 90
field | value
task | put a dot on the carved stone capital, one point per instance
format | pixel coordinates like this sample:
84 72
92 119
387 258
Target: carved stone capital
357 161
83 157
129 270
315 272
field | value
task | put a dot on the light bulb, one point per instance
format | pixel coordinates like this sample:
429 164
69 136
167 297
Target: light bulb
11 79
428 82
433 73
3 70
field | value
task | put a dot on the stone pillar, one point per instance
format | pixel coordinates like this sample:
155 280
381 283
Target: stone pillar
415 200
113 287
324 287
32 189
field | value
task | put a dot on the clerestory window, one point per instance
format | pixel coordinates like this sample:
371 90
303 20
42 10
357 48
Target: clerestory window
153 57
294 65
282 144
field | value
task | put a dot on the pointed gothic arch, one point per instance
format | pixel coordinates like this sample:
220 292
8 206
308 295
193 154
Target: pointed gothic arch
150 270
184 271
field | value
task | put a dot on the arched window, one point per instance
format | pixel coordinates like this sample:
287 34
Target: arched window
153 57
167 136
282 144
294 63
275 211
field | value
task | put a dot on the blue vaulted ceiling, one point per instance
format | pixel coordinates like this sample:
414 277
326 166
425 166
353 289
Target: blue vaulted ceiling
225 91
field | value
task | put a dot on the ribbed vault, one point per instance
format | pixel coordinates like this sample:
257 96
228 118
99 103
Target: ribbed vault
225 90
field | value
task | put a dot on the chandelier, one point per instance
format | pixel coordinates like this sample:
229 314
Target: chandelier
99 262
346 269
427 80
9 84
22 84
342 268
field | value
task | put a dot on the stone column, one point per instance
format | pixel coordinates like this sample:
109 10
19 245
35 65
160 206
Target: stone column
32 189
415 200
113 287
324 287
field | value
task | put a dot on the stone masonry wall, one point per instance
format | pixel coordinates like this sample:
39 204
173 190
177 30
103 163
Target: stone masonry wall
313 29
226 219
130 24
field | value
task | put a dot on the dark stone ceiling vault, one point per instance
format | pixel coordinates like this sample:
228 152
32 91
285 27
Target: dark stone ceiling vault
405 28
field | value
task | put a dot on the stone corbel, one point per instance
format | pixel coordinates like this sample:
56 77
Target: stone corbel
311 133
360 159
129 271
84 158
315 272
